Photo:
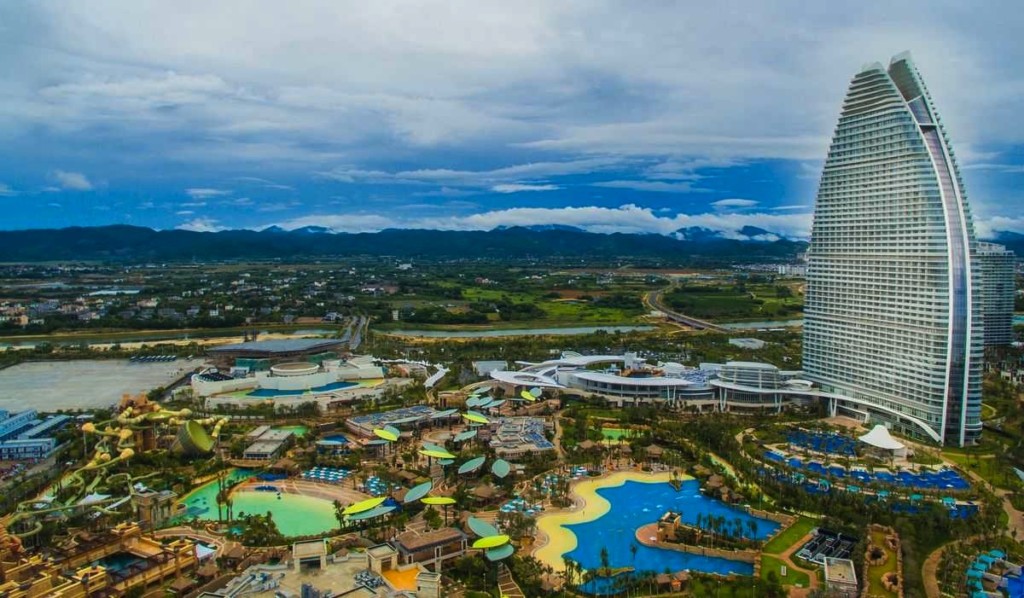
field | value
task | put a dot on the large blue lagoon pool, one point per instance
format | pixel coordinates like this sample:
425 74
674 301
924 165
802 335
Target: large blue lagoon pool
635 504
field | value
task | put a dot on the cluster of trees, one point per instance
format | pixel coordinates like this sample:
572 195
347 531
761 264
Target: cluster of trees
719 531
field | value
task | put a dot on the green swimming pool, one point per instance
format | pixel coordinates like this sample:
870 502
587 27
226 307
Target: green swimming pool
299 431
615 433
294 514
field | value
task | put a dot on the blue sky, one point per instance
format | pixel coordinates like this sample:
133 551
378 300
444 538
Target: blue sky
359 116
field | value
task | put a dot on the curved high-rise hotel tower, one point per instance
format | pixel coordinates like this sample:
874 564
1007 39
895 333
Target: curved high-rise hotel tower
892 320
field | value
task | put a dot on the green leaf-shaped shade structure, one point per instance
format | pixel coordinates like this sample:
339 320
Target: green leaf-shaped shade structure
473 401
481 527
501 468
385 434
446 462
438 500
472 465
417 492
437 454
445 413
526 395
393 430
430 446
491 541
473 416
501 552
536 392
363 505
374 512
461 436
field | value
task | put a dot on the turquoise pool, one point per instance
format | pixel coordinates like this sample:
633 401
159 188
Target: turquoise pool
202 502
635 504
294 514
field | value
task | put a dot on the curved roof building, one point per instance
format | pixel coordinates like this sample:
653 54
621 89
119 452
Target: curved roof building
892 321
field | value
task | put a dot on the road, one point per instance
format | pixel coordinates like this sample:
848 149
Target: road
653 300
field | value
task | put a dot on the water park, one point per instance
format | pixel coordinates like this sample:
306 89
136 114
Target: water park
524 491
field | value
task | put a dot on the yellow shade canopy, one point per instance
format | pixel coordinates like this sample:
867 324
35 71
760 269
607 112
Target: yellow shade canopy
363 505
491 541
385 434
436 454
526 395
438 500
476 417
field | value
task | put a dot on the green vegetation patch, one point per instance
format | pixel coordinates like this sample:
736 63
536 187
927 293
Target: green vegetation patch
735 302
790 535
770 564
875 573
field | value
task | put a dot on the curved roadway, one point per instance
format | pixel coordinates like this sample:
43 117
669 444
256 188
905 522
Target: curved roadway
653 300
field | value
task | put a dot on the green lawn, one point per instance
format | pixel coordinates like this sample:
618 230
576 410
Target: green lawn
875 573
792 577
790 535
726 302
985 466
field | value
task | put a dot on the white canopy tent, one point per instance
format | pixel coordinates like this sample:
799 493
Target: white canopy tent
880 438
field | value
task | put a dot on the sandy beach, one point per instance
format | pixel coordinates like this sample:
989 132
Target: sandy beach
554 540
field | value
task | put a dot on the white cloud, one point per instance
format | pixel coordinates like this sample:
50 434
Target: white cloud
1004 168
194 204
734 203
517 187
73 181
473 178
201 225
653 186
7 191
206 193
651 87
625 219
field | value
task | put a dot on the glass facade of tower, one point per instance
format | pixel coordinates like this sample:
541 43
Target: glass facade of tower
892 316
997 265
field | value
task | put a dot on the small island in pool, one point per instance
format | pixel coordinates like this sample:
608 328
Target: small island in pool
615 507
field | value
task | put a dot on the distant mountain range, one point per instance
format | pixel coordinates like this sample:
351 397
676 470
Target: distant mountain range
134 244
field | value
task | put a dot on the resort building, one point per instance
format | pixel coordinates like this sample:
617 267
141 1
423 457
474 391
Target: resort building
746 385
840 577
288 379
431 549
892 321
406 418
517 436
998 285
626 380
257 356
23 435
270 444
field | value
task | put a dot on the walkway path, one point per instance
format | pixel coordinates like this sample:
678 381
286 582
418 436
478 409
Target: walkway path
507 585
787 557
930 570
221 544
1016 517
